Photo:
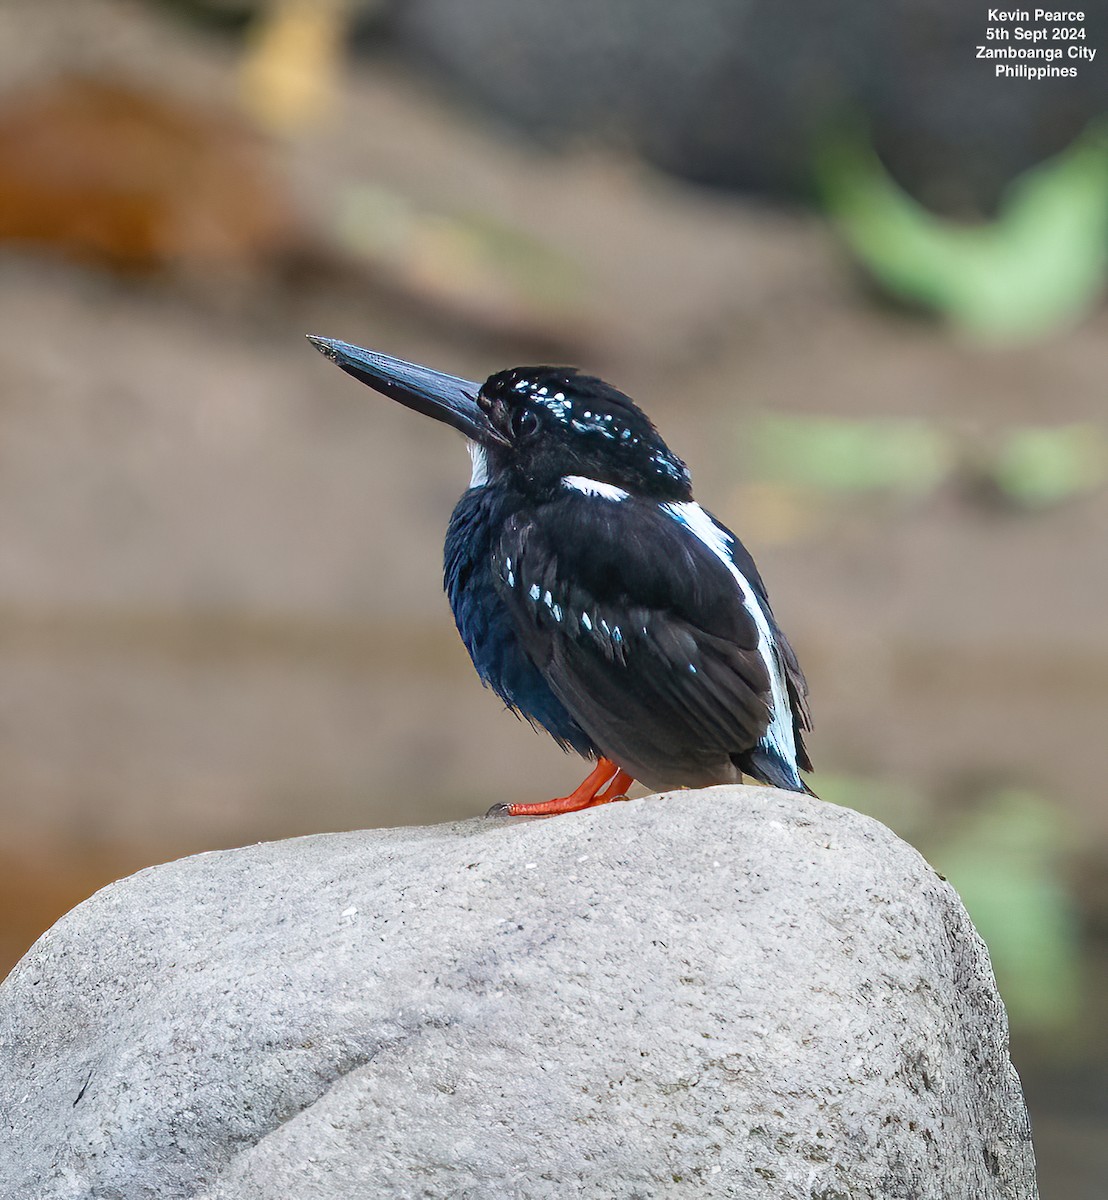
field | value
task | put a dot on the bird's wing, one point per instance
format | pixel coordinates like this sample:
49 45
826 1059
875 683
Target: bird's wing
642 630
794 676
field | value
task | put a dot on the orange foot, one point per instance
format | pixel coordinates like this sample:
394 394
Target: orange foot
605 783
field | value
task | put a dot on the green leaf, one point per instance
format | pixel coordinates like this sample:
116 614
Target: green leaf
1040 264
1037 467
1006 864
836 454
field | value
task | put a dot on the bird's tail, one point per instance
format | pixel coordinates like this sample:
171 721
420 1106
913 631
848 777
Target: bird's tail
768 767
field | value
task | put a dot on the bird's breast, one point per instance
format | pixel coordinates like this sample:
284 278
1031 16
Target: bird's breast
486 626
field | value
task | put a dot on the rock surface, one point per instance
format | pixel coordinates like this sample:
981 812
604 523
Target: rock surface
736 992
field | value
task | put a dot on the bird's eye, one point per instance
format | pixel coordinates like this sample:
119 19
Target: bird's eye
524 423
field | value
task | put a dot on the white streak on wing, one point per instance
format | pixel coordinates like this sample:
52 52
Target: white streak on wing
593 487
696 520
479 455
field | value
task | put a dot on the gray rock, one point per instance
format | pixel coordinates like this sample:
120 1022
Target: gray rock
736 992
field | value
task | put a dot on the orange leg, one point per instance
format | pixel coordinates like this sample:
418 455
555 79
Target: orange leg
616 790
605 783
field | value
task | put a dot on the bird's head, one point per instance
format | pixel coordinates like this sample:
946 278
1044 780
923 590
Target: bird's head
536 425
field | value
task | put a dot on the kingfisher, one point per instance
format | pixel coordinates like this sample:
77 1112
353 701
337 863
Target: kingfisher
594 595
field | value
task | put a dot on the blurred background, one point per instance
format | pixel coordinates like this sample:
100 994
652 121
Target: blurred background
857 281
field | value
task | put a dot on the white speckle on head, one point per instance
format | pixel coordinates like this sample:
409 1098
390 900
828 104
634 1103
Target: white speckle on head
480 458
779 735
534 592
593 487
548 599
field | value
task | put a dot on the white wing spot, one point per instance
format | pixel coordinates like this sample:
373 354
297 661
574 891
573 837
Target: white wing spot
593 487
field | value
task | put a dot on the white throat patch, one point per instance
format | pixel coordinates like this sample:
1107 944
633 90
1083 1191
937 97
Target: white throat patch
480 458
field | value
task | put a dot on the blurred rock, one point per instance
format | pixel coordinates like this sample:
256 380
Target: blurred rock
735 92
739 992
118 175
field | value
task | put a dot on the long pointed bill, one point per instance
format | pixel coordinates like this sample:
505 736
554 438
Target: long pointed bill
444 397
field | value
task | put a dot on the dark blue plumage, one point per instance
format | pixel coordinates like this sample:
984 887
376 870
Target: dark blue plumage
594 595
486 626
